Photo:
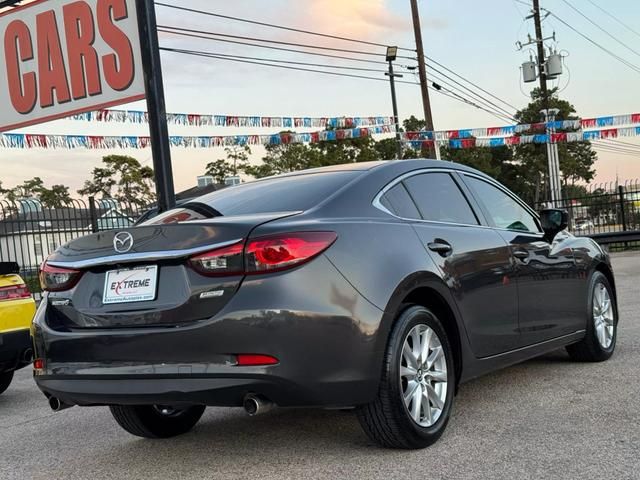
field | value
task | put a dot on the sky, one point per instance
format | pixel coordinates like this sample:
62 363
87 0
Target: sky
476 39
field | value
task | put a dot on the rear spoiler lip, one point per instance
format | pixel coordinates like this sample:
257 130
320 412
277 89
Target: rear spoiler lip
141 256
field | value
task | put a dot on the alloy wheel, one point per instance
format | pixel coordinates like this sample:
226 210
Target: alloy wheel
423 375
603 315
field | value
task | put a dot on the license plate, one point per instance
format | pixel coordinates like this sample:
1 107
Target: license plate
130 285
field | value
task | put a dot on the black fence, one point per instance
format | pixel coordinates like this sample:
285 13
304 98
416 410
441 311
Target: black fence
608 212
30 230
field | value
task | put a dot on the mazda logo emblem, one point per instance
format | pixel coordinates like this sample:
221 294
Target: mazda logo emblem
122 242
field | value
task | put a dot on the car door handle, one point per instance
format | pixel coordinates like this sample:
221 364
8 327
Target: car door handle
521 254
440 246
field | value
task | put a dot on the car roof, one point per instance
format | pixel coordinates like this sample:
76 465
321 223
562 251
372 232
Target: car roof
412 164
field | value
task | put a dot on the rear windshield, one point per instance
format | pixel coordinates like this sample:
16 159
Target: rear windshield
300 192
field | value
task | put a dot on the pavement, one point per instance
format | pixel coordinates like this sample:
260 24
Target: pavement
546 418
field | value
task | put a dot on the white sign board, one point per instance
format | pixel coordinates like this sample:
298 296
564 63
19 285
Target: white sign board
63 57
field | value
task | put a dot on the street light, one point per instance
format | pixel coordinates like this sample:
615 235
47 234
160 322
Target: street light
392 53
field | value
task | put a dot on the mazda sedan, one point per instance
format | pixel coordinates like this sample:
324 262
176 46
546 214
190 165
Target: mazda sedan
379 286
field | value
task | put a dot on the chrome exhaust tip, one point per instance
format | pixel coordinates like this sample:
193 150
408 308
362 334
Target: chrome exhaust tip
58 405
256 404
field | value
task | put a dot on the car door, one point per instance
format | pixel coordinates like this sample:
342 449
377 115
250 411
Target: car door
549 286
474 260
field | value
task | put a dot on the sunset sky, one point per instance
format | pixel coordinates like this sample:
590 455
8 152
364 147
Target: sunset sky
476 39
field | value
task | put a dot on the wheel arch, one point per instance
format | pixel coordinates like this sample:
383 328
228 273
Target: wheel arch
428 290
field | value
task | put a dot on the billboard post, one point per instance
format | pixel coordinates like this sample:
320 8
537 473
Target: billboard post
156 108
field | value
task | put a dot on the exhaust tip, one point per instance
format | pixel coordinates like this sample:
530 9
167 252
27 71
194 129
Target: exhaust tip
27 356
256 404
57 405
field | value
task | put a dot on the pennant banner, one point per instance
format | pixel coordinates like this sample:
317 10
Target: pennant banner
22 140
581 136
199 120
530 128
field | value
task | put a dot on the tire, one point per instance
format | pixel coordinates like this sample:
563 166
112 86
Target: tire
602 323
387 420
149 421
5 381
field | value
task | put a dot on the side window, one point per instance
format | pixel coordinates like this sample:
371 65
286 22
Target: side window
398 202
439 198
504 211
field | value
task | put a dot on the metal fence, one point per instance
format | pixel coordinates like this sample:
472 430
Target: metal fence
30 230
604 210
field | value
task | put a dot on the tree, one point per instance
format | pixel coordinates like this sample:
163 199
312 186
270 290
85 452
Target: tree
523 169
121 178
237 159
54 197
576 159
282 158
349 150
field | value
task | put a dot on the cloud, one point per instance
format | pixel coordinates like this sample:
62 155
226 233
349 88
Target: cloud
366 19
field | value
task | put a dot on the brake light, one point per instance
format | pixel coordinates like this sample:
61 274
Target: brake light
221 261
254 360
56 279
14 292
279 252
271 253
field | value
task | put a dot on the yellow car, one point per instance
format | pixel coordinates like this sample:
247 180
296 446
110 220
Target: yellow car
17 308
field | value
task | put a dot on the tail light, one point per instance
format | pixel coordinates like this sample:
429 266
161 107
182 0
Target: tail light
14 292
271 253
279 252
56 279
222 261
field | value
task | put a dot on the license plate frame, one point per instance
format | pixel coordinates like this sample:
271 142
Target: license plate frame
143 289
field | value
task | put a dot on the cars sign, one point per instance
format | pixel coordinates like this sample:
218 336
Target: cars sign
63 57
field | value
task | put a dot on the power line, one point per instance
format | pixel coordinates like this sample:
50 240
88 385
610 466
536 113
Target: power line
606 50
604 149
274 60
263 63
454 95
601 143
622 146
270 47
210 55
210 36
614 17
497 107
276 42
601 28
308 32
469 82
635 145
281 27
437 83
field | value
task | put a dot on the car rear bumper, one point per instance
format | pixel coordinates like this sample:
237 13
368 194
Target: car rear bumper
15 350
323 333
212 391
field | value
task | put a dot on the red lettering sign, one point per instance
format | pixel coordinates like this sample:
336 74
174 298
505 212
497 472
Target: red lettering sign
62 57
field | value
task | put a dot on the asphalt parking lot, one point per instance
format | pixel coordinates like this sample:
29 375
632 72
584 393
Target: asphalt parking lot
547 418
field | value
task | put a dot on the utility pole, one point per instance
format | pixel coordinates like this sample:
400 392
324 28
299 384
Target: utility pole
545 68
541 56
433 150
555 187
392 52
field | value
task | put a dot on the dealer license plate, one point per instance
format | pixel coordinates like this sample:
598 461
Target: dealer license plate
130 285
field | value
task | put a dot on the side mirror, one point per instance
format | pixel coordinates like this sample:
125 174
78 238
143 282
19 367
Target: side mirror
553 221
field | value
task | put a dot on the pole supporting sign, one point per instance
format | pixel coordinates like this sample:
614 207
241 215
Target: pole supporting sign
59 58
